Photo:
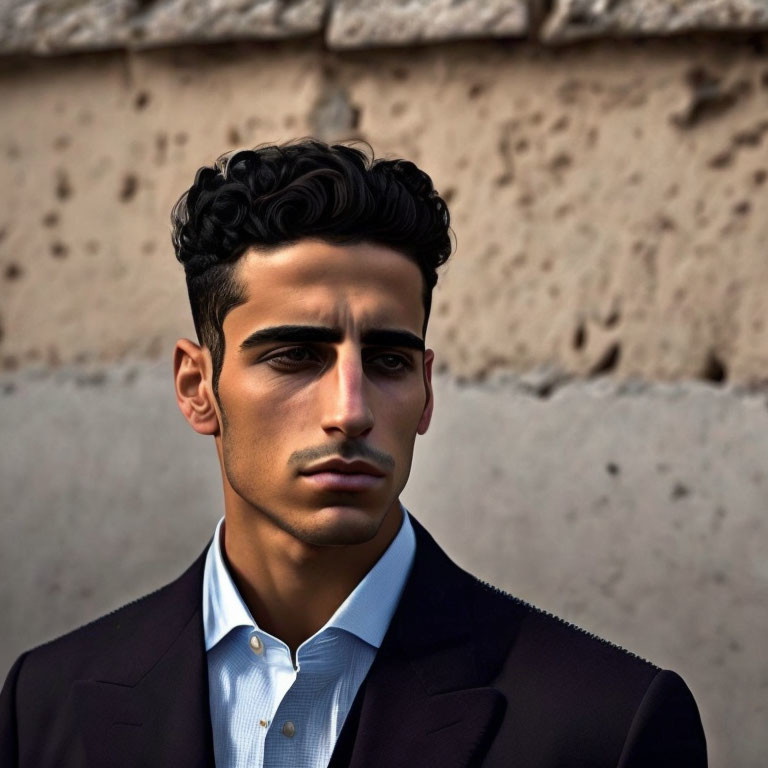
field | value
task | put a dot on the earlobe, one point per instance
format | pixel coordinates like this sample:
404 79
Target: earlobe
426 416
193 392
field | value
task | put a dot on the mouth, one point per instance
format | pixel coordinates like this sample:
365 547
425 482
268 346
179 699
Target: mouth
341 467
340 475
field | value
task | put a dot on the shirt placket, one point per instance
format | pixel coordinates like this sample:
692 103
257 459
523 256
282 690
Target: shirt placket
274 660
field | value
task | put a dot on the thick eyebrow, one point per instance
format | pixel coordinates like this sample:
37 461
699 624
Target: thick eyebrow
384 337
293 333
307 334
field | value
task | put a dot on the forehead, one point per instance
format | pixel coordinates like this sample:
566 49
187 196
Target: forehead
353 287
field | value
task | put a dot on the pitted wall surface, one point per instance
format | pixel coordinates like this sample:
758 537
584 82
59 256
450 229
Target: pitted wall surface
608 202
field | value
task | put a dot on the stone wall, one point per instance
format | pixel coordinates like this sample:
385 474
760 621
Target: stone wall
56 26
601 334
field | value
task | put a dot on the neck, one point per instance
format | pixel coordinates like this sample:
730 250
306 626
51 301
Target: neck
290 587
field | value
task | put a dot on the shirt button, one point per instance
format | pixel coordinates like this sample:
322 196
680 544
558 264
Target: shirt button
289 729
256 645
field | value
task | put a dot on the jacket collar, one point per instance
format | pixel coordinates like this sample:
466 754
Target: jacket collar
426 700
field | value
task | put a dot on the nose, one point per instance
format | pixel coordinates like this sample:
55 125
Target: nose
346 407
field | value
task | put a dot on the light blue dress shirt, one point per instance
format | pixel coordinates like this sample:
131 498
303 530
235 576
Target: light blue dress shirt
265 712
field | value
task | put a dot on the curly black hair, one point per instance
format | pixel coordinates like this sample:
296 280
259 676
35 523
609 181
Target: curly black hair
276 195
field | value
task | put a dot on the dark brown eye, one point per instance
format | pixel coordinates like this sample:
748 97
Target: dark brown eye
293 357
297 354
391 363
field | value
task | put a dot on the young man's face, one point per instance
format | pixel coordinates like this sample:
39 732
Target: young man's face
323 387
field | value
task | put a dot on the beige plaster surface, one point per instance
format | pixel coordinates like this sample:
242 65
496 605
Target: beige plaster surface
610 214
608 200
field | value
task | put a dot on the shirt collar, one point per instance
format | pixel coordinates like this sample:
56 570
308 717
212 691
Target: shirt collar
365 613
223 608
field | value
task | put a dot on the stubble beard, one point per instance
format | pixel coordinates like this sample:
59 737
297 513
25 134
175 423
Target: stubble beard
342 532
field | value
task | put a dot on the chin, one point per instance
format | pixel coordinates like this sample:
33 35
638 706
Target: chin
339 526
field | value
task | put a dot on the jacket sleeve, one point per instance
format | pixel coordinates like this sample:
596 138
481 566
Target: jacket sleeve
9 751
666 731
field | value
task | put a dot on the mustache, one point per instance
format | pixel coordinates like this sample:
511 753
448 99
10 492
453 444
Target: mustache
348 450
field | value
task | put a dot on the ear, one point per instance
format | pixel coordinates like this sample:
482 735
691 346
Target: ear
426 416
191 368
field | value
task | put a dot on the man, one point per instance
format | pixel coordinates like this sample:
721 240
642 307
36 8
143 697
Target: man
323 625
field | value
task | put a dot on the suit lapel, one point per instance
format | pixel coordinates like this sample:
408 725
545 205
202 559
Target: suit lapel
147 704
426 699
402 725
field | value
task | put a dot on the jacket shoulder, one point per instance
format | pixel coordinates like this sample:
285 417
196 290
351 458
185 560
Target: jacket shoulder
580 694
119 648
141 622
537 630
508 632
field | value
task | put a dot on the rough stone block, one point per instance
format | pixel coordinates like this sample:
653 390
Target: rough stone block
173 21
363 23
578 19
52 26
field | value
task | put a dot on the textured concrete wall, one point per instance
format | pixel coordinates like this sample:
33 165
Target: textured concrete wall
630 511
610 213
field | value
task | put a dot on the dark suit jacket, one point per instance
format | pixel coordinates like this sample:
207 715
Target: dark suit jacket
466 676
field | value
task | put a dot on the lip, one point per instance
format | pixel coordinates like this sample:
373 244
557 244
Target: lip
341 467
340 475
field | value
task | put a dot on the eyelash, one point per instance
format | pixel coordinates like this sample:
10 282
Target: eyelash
280 360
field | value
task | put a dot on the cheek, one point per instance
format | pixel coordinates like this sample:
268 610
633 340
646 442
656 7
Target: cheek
400 408
271 422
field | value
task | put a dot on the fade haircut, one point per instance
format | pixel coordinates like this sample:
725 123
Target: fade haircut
277 195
